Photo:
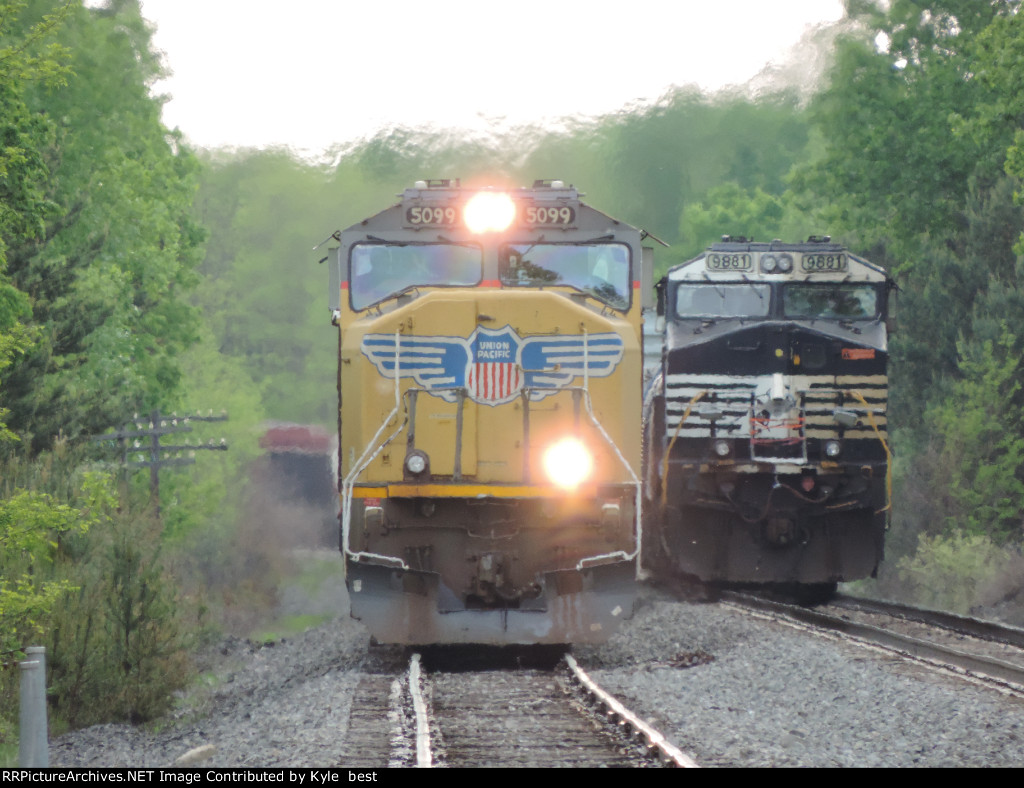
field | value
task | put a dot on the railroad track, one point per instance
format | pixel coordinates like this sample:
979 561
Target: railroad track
505 718
376 735
984 652
967 626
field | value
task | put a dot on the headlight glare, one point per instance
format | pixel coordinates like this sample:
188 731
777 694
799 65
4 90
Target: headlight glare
568 463
489 212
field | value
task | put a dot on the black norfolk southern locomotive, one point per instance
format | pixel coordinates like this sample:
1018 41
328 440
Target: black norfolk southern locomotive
765 428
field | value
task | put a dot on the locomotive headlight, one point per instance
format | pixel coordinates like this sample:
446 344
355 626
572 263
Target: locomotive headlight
785 263
416 462
768 263
722 448
568 463
489 212
832 448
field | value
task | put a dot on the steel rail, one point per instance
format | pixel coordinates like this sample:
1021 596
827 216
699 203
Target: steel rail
987 669
965 625
666 751
424 758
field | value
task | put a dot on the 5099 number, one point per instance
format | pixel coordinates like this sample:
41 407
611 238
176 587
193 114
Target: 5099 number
555 215
431 215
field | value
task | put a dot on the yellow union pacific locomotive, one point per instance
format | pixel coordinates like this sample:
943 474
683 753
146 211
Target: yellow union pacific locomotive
490 388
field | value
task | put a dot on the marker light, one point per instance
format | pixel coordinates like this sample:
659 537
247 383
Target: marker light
489 212
568 463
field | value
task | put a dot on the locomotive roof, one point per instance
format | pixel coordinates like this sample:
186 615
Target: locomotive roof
775 246
816 245
451 191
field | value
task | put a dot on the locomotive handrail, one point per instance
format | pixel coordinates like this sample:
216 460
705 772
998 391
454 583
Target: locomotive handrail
348 483
605 558
885 447
668 449
638 485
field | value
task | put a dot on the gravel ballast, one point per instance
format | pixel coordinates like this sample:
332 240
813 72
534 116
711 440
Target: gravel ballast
759 694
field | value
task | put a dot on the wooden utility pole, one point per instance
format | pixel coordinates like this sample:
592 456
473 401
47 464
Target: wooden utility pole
131 440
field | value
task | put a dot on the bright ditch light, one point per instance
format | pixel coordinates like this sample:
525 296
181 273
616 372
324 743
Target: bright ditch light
568 463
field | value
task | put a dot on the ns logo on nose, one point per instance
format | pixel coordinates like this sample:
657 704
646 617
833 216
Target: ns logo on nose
494 366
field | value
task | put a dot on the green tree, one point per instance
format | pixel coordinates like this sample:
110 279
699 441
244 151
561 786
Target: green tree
264 296
983 440
108 276
730 210
670 155
27 56
892 169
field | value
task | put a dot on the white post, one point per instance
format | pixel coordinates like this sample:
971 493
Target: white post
33 748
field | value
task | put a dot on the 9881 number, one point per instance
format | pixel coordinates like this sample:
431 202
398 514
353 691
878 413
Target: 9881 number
729 262
823 262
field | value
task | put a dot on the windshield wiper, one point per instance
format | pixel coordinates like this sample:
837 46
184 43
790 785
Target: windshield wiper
529 248
721 293
753 287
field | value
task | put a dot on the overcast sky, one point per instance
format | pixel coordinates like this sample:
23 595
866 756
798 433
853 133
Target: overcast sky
310 74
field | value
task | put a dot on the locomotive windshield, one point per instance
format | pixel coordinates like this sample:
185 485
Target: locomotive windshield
831 301
600 270
799 300
723 299
377 271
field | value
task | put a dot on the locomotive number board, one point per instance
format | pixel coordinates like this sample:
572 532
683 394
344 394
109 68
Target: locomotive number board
527 214
823 263
433 215
718 261
534 215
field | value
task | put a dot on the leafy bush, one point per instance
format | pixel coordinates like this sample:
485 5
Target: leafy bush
32 524
958 571
117 647
84 578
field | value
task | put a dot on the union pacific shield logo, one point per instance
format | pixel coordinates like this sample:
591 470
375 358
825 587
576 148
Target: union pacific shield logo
493 366
494 374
